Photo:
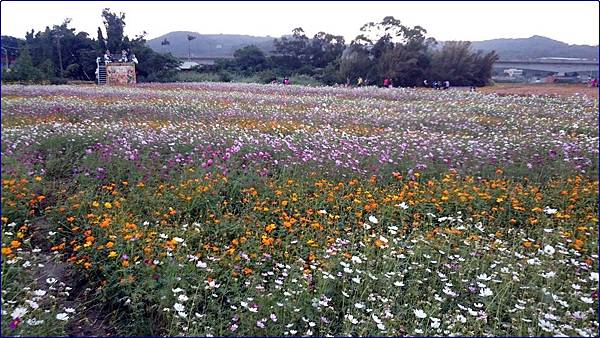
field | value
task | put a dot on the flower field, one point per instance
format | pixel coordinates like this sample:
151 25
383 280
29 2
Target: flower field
240 209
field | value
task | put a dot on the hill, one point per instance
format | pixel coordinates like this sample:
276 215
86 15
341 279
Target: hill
208 45
535 47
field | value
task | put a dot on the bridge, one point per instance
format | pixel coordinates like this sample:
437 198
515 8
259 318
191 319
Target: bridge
551 65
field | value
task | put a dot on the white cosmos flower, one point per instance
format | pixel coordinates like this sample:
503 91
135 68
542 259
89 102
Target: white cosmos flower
380 326
549 274
178 239
356 259
50 280
179 307
549 250
402 205
18 312
376 319
69 310
32 304
420 313
484 276
594 276
485 292
177 290
182 298
550 211
62 316
435 322
34 322
201 265
373 219
39 292
356 280
351 319
359 305
587 300
576 286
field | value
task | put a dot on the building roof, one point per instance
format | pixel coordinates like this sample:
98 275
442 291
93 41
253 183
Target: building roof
187 65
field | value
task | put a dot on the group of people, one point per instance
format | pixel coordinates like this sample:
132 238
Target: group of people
286 81
439 85
593 83
125 57
360 82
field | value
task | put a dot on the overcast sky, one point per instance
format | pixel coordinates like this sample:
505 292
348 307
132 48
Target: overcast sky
571 22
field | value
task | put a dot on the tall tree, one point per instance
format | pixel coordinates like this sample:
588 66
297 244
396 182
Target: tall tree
190 38
457 63
115 27
164 43
101 41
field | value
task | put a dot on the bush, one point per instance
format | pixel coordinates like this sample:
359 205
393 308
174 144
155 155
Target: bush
305 80
266 76
197 77
225 76
58 81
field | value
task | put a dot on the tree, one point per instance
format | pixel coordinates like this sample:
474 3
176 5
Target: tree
190 38
101 42
250 59
394 50
355 62
165 42
457 63
24 69
115 26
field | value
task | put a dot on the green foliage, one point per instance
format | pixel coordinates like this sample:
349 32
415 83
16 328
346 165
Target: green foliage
114 25
250 59
24 71
457 63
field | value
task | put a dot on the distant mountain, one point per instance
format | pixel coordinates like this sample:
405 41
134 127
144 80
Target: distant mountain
208 45
535 47
224 45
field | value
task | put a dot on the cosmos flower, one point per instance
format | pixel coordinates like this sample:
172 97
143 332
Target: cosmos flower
420 313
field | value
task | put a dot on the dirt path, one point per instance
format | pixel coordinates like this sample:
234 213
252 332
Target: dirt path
541 89
89 320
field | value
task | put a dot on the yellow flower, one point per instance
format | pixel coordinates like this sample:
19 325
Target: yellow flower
6 251
107 205
112 254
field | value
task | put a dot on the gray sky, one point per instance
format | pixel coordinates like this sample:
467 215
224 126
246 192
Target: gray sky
571 22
